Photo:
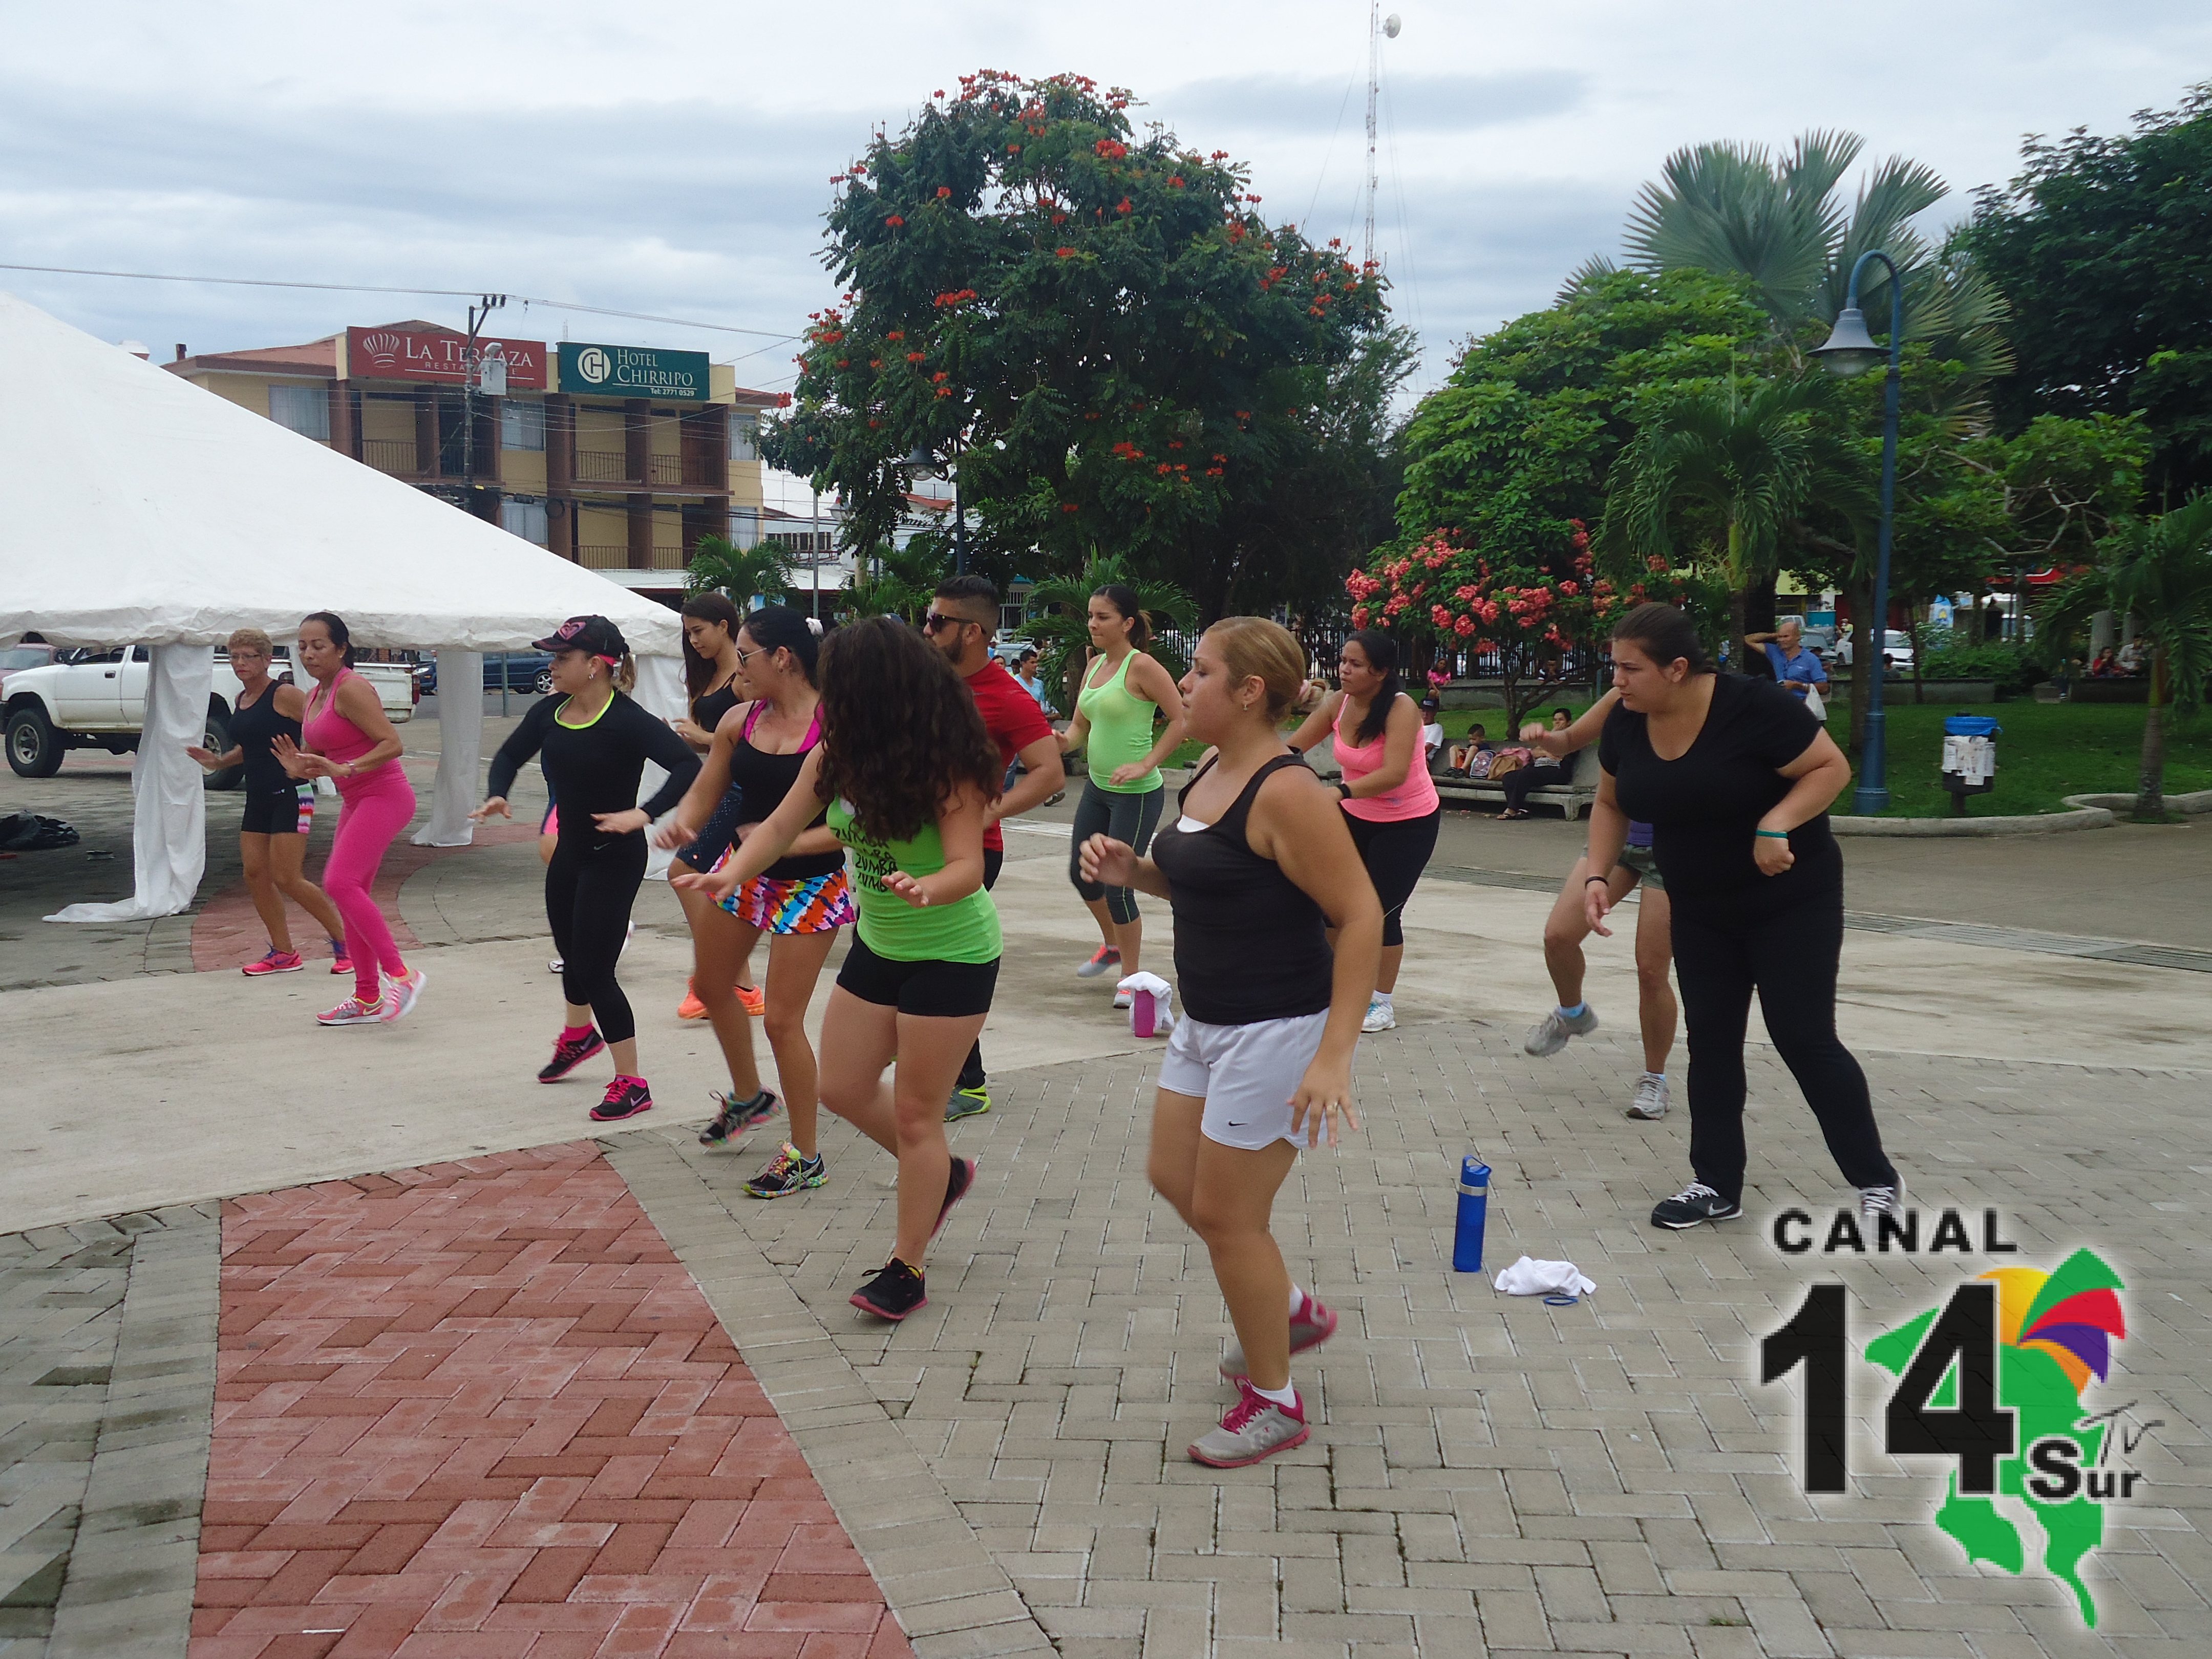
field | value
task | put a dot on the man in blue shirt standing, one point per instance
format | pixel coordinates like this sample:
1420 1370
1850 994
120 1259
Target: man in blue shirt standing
1797 670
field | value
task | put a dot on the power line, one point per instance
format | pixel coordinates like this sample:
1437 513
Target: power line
365 288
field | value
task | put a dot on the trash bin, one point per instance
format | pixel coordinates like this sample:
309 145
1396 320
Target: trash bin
1970 758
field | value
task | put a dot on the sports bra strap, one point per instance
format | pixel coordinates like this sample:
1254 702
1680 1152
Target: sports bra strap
814 725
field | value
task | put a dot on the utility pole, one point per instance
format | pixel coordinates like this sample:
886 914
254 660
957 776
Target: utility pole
472 369
814 554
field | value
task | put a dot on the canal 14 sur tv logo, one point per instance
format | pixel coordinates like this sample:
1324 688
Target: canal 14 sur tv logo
1994 1378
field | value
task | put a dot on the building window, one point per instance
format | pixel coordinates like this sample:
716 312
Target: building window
744 437
744 528
304 410
522 426
525 520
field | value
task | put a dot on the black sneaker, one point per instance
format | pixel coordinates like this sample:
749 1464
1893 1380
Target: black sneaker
967 1102
957 1185
893 1293
733 1117
570 1053
1694 1203
789 1171
627 1096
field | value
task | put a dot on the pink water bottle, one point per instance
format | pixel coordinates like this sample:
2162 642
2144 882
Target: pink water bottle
1142 1012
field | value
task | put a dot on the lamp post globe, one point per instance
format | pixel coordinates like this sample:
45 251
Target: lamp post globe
1850 351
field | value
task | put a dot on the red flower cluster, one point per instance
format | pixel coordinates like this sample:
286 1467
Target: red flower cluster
1128 452
1174 181
957 296
895 220
1111 150
943 191
1064 252
1121 206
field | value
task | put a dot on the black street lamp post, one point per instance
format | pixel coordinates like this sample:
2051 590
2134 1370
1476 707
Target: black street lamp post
1851 350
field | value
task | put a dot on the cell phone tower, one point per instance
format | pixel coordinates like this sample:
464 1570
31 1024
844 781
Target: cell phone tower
1379 29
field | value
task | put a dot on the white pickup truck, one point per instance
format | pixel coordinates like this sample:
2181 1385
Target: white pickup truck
88 699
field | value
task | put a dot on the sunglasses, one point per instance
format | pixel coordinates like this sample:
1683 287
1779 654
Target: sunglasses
935 621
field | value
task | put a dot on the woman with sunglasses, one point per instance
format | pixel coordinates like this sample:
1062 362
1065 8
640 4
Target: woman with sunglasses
280 811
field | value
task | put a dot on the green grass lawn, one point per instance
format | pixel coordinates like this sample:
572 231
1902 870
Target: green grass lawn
2047 751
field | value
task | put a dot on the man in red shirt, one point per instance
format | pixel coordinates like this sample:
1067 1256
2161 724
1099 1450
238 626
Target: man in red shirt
961 620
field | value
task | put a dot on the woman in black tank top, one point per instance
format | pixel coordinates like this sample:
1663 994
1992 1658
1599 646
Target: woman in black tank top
1259 870
272 834
750 767
714 684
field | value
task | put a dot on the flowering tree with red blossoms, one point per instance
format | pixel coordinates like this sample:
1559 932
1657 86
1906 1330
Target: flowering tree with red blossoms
1459 599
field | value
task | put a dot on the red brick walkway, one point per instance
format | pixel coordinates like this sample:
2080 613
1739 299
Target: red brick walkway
480 1410
228 934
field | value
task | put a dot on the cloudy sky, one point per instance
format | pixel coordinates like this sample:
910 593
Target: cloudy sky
674 158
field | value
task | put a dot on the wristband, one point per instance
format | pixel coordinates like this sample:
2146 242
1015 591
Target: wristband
1778 835
1344 790
1587 880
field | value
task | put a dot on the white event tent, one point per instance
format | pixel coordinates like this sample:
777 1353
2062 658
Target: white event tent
137 509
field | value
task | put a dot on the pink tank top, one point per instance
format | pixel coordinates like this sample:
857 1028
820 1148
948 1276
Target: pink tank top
337 739
1416 797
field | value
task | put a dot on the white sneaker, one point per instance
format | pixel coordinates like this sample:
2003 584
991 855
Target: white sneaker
399 994
1549 1035
1381 1016
1650 1100
553 966
1875 1202
1124 1000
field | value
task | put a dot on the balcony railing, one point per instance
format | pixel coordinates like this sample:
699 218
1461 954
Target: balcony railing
604 556
393 455
612 466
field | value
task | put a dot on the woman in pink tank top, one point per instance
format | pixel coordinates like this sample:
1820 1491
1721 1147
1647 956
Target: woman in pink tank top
1391 802
345 736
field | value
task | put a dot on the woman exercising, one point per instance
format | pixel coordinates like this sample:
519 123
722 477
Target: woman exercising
906 768
1391 802
595 742
714 680
799 901
272 834
1259 870
345 736
1124 691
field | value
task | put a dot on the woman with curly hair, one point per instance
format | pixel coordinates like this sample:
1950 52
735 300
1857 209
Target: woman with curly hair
906 770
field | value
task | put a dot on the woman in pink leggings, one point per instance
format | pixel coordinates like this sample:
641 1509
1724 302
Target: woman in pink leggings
345 736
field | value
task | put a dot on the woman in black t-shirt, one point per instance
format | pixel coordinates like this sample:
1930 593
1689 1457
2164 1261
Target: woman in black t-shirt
1735 776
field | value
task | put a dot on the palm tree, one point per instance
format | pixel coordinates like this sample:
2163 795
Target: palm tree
1060 608
1755 462
1777 221
2159 571
896 581
719 564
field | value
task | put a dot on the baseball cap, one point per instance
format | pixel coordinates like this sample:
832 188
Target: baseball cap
595 635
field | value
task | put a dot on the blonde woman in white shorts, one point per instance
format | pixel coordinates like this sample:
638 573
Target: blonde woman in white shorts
1258 869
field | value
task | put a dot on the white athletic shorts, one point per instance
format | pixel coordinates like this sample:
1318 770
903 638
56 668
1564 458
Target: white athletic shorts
1246 1074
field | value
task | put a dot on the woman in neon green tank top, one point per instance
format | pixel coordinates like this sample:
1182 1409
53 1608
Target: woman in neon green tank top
907 772
1124 691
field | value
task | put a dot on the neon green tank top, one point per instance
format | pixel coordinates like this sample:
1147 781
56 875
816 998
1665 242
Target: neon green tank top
1120 730
966 931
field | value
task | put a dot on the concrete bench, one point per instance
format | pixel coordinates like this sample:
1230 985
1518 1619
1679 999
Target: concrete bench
1572 798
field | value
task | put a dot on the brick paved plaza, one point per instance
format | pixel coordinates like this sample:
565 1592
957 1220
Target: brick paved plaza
273 1387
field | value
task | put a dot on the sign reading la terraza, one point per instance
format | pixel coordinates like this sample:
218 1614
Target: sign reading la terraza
632 371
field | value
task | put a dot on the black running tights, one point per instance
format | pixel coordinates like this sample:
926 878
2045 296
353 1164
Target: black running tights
588 891
971 1073
1725 948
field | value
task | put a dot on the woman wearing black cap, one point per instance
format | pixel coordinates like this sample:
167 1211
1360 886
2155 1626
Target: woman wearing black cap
596 742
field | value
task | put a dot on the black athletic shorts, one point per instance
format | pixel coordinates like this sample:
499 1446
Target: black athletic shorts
289 811
938 990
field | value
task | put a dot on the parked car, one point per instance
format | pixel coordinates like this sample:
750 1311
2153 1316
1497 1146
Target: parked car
526 671
87 699
29 654
1896 656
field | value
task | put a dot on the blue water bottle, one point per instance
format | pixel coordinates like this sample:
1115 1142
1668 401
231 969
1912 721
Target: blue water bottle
1473 1211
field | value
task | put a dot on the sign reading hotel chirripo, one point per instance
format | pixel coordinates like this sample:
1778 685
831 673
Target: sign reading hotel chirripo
632 371
399 354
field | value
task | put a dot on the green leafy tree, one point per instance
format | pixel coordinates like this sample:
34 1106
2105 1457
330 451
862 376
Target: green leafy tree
1512 451
720 565
1098 333
2104 247
896 581
2158 570
1059 612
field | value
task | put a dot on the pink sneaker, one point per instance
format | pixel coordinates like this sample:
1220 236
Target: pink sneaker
276 962
352 1011
340 962
399 994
